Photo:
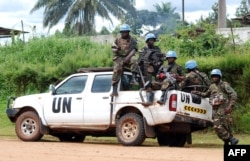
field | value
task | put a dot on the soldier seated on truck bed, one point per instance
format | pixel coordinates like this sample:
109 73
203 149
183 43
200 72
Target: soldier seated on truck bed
149 61
172 68
195 80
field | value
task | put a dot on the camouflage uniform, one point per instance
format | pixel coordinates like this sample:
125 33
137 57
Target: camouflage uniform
125 46
150 60
196 78
221 96
173 68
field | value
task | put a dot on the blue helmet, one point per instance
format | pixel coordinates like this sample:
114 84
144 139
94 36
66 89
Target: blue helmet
125 27
191 64
216 72
171 54
150 36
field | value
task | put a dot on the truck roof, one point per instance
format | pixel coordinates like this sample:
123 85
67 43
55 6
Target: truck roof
97 69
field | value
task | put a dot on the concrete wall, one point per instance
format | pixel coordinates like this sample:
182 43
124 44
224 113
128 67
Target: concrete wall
241 35
103 39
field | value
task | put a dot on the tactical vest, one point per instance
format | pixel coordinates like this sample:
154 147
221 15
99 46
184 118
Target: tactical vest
125 46
218 94
150 60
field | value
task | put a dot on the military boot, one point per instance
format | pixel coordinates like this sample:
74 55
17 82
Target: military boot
114 92
133 79
161 101
150 99
226 142
233 141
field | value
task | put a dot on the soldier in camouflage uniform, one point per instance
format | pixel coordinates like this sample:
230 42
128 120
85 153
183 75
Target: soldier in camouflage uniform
222 97
174 69
150 60
123 48
195 80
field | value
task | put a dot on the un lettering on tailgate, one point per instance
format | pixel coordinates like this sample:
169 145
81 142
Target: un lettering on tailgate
192 104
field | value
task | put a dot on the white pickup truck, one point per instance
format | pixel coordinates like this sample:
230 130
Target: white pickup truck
81 106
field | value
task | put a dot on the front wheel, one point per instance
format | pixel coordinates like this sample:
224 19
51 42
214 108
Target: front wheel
130 130
28 127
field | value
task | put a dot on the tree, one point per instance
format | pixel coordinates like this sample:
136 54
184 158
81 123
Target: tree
163 20
169 18
212 16
104 31
81 14
243 9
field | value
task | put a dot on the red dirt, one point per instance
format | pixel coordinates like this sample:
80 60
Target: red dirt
16 150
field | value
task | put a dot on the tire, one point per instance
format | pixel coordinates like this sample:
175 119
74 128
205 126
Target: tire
173 140
28 127
130 130
71 138
163 140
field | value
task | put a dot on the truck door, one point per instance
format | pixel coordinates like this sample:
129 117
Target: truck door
97 102
65 106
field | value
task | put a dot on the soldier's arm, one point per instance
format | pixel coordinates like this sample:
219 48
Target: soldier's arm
132 51
231 93
115 47
180 75
203 94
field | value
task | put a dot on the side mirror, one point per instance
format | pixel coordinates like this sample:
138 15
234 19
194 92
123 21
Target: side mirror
52 89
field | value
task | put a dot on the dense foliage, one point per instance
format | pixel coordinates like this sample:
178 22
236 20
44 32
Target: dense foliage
30 67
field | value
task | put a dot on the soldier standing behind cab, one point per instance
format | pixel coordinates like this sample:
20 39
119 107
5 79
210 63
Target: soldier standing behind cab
195 80
150 60
123 48
222 97
174 69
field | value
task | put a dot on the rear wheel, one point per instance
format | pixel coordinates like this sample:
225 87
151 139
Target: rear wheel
71 138
28 127
174 140
130 130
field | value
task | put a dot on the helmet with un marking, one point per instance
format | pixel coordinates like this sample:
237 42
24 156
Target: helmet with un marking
191 64
150 36
216 72
171 54
125 27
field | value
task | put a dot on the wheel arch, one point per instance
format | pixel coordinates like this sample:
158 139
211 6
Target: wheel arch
38 111
127 109
149 130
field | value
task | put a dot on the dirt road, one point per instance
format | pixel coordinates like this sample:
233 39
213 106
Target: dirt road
16 150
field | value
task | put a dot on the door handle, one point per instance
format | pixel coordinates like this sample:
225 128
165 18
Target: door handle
79 98
105 97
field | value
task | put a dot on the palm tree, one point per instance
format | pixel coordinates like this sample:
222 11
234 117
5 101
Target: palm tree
81 13
167 17
167 10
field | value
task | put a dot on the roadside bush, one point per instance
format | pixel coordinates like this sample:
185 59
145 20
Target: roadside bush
31 67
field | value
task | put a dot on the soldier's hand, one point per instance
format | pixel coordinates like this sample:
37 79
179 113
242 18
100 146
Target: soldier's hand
176 76
228 110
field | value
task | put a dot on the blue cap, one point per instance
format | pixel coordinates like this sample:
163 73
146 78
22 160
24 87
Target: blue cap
216 72
124 27
150 36
171 54
191 64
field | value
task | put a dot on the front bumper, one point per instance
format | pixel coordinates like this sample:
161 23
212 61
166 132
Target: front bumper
11 112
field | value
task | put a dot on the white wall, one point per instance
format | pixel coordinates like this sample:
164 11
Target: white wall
241 35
